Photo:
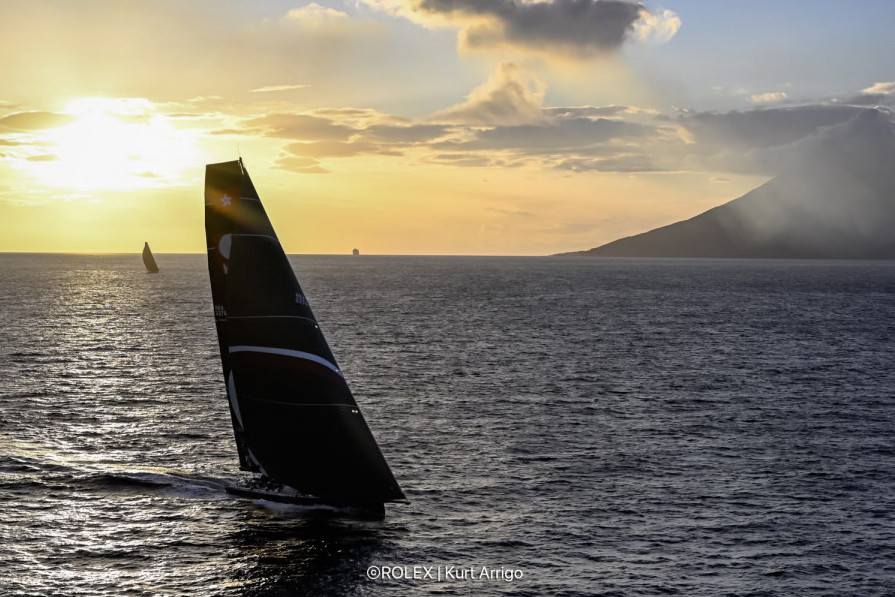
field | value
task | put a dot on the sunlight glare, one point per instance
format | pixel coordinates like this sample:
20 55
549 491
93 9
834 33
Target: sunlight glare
117 143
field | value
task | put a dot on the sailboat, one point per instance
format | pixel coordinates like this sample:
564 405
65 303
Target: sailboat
149 260
296 423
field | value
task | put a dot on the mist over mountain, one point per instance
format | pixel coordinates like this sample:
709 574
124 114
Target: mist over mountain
833 198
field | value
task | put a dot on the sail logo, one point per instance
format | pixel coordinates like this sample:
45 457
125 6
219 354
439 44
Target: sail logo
219 311
300 299
219 198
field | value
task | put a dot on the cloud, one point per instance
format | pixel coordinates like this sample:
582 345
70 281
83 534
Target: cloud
502 123
580 28
511 96
30 121
881 88
300 126
759 141
587 111
657 27
348 113
878 94
512 212
623 163
338 149
343 132
270 88
469 160
772 97
301 165
234 132
315 15
763 127
867 99
763 141
405 134
563 135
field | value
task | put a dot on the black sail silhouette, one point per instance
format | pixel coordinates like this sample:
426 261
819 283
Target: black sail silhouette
149 260
295 420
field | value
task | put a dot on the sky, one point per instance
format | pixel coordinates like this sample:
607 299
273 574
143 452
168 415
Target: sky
468 127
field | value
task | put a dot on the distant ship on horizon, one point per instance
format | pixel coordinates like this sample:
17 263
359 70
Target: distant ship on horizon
355 252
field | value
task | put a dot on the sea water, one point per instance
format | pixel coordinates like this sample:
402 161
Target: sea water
561 426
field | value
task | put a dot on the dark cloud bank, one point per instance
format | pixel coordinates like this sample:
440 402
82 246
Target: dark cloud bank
835 199
582 26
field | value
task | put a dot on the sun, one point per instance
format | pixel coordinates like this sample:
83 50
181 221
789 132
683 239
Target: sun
120 143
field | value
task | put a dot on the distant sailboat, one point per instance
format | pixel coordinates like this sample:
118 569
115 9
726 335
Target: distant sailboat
296 423
149 260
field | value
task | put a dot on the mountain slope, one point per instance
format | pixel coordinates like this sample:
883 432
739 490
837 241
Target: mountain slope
835 199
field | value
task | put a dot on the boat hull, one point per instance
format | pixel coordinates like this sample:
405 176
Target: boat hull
313 505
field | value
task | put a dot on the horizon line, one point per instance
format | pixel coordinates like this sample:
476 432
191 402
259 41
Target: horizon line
114 253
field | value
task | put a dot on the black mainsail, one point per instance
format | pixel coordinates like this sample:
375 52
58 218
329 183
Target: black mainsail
295 420
149 260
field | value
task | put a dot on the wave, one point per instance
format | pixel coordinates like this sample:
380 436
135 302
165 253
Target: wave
179 485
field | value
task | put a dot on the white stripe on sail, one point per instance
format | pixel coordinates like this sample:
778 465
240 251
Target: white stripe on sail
234 403
287 353
308 319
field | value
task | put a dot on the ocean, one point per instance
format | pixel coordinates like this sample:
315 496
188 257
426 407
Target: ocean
561 426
